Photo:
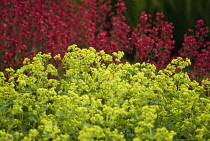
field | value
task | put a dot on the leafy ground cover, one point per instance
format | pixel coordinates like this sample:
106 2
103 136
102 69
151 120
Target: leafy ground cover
96 97
92 94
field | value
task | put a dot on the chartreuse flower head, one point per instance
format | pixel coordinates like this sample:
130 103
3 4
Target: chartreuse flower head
72 48
181 63
119 55
58 57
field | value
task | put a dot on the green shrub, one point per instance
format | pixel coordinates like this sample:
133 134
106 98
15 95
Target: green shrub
94 98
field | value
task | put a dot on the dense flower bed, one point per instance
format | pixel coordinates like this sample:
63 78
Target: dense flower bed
28 27
93 98
93 93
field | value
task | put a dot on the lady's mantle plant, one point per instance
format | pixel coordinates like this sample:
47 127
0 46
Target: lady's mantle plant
96 99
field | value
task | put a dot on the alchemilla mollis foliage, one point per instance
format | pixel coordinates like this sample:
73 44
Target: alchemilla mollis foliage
93 98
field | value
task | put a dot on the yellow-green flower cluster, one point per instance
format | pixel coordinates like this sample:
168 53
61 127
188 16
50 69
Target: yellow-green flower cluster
93 98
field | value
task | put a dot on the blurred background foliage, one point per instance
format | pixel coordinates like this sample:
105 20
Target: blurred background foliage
182 13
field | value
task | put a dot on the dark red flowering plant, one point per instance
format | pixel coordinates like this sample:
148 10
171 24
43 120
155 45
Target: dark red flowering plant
28 27
197 49
153 40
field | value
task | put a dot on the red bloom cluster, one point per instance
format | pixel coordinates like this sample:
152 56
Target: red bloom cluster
153 40
28 27
197 49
